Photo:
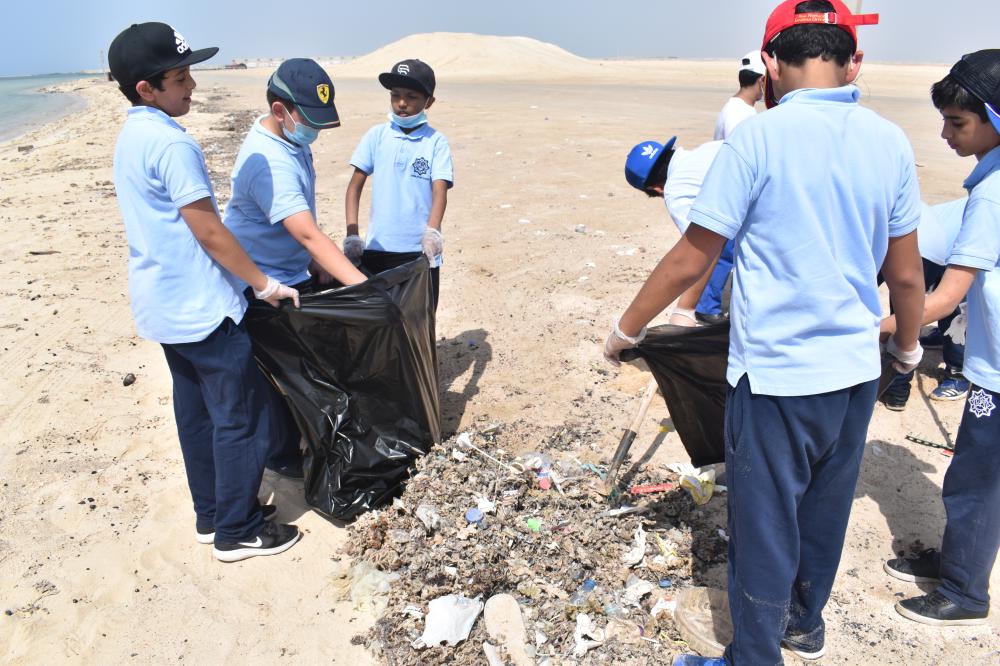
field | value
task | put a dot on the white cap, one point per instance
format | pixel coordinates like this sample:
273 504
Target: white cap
752 62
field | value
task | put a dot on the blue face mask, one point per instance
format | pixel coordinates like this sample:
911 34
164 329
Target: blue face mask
408 122
303 134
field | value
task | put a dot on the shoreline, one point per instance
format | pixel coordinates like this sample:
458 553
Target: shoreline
48 115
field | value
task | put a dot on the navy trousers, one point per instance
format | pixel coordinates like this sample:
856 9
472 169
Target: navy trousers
791 464
711 299
972 501
220 406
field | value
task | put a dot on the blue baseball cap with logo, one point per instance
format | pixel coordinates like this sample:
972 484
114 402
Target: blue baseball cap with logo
305 84
643 159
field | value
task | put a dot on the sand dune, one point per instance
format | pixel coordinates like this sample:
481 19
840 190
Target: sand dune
456 54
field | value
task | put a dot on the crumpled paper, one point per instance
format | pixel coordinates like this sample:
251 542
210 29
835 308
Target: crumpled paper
635 556
449 620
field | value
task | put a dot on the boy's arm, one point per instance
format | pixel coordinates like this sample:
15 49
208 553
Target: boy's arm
439 201
203 221
954 285
904 275
324 251
352 200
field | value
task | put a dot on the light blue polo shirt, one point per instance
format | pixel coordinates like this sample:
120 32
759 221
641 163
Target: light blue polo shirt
978 246
811 191
178 292
272 180
402 167
939 226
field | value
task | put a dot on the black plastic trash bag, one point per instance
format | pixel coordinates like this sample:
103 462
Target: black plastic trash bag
689 364
358 367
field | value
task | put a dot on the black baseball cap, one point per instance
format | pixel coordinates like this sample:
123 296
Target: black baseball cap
143 50
305 84
410 74
979 73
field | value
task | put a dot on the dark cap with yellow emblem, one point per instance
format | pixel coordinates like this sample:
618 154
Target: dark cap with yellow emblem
305 84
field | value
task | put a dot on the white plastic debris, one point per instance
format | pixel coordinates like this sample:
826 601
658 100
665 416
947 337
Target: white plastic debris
700 483
635 589
413 612
524 221
586 636
484 504
663 605
635 556
492 656
459 456
449 620
429 516
369 589
580 229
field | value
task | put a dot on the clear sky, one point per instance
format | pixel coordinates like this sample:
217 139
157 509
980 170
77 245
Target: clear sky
43 36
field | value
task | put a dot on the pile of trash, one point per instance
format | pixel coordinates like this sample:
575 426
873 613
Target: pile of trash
559 573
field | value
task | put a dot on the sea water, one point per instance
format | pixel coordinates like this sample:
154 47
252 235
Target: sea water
24 107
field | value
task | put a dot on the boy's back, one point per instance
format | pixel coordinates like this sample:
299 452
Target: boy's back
178 292
823 183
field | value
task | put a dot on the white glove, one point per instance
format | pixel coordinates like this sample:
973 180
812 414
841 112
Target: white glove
618 341
274 292
682 317
956 331
432 243
906 361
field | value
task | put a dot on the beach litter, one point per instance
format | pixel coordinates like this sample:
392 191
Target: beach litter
584 559
449 620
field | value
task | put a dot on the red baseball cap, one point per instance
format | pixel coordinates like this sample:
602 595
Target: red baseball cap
784 17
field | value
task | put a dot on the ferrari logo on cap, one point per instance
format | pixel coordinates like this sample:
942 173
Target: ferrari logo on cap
323 91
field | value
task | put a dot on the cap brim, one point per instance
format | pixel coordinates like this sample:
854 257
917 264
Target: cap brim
320 117
194 57
668 145
390 81
994 115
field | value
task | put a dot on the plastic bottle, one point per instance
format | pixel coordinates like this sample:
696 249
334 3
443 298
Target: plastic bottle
579 598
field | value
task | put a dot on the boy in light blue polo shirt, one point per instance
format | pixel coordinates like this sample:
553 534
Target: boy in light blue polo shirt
818 195
184 275
969 102
411 165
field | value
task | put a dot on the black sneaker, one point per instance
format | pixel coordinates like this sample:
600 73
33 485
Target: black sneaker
273 539
938 610
206 535
808 645
924 568
710 319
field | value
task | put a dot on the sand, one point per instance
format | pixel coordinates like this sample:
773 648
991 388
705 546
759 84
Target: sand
97 558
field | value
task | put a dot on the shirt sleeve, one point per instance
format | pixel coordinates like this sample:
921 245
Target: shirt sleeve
441 165
363 157
277 191
905 215
182 171
978 243
725 195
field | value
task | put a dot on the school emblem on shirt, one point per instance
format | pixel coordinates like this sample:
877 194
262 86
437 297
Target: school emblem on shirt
421 166
323 92
981 403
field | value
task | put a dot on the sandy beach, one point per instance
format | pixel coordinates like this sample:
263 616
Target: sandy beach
98 563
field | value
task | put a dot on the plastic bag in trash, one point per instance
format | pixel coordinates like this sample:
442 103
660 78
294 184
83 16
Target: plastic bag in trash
366 586
358 368
449 620
689 365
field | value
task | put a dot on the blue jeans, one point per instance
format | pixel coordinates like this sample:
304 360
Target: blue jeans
971 495
792 464
711 299
220 405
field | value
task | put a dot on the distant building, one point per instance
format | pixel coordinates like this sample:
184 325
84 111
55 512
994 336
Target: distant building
236 65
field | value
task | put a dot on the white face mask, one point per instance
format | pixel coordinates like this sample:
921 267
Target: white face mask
303 134
408 122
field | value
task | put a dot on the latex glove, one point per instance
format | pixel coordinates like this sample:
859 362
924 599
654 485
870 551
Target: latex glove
956 331
906 361
618 341
432 243
274 292
354 247
682 317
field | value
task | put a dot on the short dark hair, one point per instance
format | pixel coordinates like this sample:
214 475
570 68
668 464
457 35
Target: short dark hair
132 95
748 78
658 174
949 92
799 43
272 97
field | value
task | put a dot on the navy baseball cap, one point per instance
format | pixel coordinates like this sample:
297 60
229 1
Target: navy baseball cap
410 74
144 50
979 73
305 84
643 158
